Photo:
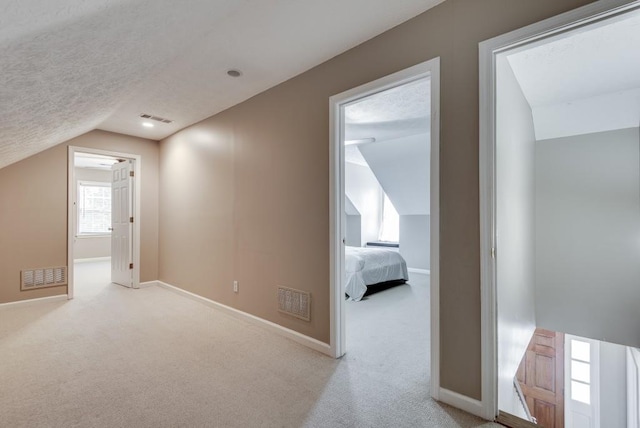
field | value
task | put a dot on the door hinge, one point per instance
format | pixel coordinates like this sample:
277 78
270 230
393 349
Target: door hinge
493 252
130 219
130 265
131 174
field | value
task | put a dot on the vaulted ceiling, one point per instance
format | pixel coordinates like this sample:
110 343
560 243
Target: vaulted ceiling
71 66
583 81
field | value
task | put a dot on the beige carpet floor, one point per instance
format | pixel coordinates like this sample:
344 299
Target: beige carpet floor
116 357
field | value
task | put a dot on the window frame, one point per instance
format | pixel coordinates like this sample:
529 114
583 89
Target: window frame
89 183
591 409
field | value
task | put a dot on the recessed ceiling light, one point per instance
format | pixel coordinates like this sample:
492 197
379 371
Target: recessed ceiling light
148 124
234 73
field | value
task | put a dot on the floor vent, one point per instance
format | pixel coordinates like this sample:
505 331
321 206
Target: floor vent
294 302
41 278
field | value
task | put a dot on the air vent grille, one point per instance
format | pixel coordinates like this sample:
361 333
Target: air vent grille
156 118
294 302
43 277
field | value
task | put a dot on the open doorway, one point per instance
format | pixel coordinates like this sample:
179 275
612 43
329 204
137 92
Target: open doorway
560 209
384 214
103 230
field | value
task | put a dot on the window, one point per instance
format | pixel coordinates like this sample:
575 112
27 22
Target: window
94 208
582 373
390 230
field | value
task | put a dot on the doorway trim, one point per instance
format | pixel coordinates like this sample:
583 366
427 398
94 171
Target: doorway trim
72 150
488 51
430 69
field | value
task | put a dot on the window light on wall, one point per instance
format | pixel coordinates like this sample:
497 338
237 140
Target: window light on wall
390 229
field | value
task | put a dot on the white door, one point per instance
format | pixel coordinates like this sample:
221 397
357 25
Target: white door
121 224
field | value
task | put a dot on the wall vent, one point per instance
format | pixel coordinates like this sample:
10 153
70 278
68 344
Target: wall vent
44 277
156 118
294 302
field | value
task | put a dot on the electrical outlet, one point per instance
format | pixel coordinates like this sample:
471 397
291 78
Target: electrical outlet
235 286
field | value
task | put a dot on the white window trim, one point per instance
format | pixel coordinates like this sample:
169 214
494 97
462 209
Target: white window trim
594 383
87 183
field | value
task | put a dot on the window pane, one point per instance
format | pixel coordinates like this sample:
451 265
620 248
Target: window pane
580 350
94 208
580 371
580 392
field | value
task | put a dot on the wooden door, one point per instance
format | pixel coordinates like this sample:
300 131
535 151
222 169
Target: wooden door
541 378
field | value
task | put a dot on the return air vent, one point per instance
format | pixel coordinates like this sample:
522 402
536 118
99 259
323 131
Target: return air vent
295 303
156 118
41 278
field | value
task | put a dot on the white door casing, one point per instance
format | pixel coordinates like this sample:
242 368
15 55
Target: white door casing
136 184
488 52
429 69
121 224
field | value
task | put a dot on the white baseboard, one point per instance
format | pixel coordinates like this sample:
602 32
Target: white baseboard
148 284
422 271
462 402
92 259
282 331
37 301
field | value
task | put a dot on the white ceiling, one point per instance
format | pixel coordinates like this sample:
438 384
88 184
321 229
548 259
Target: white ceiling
584 81
70 66
394 113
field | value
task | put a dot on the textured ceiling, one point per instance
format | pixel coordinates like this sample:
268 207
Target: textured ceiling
584 81
70 66
395 113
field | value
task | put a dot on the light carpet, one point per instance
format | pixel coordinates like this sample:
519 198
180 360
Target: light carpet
116 357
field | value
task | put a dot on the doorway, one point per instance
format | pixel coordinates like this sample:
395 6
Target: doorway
103 215
426 72
542 219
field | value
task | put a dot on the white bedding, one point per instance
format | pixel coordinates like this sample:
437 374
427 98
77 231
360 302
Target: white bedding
367 266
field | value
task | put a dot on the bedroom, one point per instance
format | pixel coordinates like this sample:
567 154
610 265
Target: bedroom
386 223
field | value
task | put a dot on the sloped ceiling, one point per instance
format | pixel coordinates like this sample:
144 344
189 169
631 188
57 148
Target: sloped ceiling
584 81
71 66
402 169
399 121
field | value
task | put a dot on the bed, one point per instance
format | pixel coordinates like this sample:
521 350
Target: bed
369 266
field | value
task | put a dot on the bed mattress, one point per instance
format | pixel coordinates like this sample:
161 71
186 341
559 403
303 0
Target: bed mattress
368 266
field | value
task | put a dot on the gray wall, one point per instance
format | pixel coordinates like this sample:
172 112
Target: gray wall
353 236
415 235
353 225
515 232
588 235
613 385
401 166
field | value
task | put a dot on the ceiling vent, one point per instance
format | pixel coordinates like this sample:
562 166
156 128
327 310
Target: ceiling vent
156 118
